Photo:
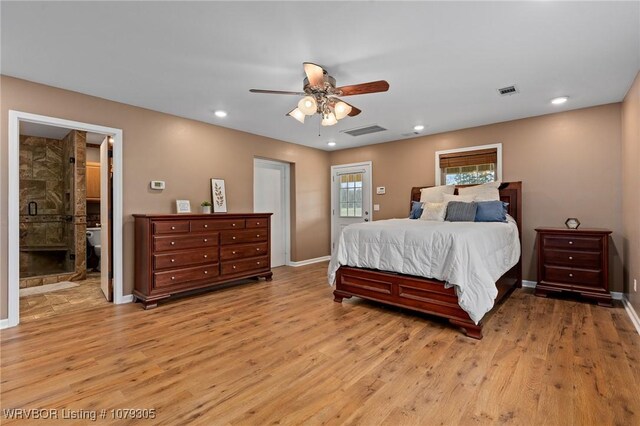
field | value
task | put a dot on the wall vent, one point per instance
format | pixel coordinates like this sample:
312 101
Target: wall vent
364 130
509 90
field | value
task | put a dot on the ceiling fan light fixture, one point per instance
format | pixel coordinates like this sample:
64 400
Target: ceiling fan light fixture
308 105
297 114
329 119
341 109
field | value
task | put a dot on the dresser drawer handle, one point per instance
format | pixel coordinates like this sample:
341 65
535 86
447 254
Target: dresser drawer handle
233 238
206 226
257 223
205 240
570 257
257 263
258 249
173 260
206 272
173 243
205 256
234 266
571 275
233 224
173 278
570 242
233 252
257 236
173 227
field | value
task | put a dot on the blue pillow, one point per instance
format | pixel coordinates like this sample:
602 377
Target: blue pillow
491 211
416 210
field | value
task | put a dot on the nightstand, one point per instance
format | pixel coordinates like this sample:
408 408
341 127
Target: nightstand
574 260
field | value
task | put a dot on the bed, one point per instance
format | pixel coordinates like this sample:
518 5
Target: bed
429 295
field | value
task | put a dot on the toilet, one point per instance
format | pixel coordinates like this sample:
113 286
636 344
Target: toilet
93 236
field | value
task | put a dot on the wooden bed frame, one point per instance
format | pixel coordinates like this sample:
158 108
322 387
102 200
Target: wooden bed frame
429 295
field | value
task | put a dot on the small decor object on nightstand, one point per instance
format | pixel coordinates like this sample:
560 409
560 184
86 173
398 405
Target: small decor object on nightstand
205 207
183 206
218 195
572 223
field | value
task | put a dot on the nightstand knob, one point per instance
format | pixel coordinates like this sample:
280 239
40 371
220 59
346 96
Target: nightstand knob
173 260
173 227
570 257
206 226
173 243
570 242
571 275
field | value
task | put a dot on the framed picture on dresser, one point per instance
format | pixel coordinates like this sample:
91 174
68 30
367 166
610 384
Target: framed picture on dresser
218 196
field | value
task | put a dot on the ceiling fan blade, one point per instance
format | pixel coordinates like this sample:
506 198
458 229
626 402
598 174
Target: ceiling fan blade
363 88
315 74
276 92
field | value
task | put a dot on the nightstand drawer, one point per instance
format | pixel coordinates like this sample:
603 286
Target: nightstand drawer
588 277
173 227
572 243
574 259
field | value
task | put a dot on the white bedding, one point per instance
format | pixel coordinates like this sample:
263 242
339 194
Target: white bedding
470 256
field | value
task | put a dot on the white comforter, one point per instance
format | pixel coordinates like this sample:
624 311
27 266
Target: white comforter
470 256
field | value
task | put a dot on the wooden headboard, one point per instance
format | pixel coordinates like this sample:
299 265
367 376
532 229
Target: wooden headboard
510 192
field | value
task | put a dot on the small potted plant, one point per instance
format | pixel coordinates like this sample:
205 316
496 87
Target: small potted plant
205 207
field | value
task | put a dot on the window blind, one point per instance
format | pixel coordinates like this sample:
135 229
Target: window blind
469 158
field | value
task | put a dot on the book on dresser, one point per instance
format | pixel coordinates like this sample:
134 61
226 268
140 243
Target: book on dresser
177 253
574 260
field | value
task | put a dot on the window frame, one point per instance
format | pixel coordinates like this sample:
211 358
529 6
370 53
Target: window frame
497 146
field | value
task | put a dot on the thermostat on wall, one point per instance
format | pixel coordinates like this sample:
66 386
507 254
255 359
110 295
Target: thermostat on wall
157 184
381 190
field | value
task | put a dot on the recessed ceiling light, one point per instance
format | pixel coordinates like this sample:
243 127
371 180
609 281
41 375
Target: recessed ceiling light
560 100
331 144
418 127
220 113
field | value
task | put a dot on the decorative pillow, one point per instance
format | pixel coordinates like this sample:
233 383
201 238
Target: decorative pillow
435 193
461 212
485 192
491 211
416 210
434 211
460 198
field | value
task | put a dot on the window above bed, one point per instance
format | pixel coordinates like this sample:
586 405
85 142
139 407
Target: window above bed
469 166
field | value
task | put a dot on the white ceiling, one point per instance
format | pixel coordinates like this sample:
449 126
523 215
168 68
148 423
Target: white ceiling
443 61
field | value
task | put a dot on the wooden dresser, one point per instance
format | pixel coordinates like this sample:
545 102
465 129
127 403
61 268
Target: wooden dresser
178 252
574 260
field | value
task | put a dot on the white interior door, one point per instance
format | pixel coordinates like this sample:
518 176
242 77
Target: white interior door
105 221
271 195
350 197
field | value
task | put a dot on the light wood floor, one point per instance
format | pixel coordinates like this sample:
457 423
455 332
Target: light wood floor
284 352
87 295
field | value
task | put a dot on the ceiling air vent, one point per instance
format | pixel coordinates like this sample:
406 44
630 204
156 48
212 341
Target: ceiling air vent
364 130
411 134
509 90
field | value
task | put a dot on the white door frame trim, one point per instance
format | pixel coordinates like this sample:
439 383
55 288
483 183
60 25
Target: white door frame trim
498 147
366 164
15 117
287 202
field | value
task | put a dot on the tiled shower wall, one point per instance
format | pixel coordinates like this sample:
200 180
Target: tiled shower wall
50 239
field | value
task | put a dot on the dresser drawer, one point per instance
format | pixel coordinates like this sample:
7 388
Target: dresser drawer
173 227
585 277
257 223
574 259
240 266
246 236
243 251
185 258
179 242
572 243
182 276
204 225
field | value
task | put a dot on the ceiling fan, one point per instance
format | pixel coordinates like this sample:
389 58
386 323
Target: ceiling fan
321 96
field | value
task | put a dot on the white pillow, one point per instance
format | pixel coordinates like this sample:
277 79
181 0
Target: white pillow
462 198
485 192
434 211
435 193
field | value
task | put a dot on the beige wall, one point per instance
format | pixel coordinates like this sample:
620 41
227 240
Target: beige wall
569 165
185 154
631 189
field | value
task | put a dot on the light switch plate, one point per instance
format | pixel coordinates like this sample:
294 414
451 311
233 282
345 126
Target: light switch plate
376 207
381 190
157 184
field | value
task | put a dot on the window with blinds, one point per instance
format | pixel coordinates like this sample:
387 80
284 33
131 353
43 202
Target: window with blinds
469 167
351 195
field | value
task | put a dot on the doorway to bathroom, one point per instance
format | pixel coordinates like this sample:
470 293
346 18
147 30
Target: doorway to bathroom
62 198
